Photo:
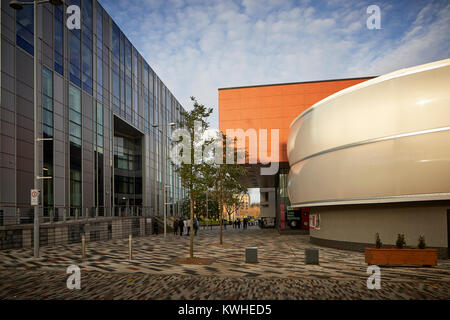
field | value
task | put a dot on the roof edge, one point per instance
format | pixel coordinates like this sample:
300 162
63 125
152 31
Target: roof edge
300 82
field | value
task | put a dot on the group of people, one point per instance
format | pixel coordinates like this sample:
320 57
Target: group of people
183 226
237 223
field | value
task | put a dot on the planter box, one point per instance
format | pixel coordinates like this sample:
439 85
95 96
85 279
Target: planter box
397 257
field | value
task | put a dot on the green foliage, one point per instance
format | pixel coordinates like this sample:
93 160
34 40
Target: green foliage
224 179
200 207
378 242
193 175
421 244
400 243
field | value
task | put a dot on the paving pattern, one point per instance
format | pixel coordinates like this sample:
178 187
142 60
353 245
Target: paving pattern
279 274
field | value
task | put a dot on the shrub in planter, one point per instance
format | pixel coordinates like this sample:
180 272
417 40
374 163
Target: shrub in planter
421 244
400 243
378 242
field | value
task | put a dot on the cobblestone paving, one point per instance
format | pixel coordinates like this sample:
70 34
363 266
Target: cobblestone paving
279 274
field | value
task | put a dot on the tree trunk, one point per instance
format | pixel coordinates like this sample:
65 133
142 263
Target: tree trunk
221 209
191 232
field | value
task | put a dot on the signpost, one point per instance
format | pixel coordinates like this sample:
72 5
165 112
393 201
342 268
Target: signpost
35 197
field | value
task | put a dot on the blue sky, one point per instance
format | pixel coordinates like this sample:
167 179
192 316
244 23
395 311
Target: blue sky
199 46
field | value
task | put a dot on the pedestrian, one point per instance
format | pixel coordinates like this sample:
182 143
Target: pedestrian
195 226
181 226
155 227
175 227
239 223
185 223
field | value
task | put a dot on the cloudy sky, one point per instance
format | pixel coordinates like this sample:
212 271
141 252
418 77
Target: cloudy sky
198 46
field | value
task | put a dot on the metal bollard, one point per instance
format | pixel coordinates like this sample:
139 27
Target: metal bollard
83 246
130 247
251 255
311 256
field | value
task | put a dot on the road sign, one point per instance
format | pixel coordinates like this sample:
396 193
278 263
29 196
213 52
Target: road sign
35 197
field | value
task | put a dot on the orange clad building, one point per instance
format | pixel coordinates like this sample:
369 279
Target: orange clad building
269 107
274 106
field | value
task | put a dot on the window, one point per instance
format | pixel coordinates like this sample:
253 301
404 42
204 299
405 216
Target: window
99 52
75 58
75 147
115 40
128 54
75 52
47 110
59 39
25 28
98 153
87 68
87 45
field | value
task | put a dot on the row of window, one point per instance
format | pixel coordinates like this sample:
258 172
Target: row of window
125 67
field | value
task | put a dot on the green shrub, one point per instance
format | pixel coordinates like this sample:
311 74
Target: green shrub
421 242
401 243
378 242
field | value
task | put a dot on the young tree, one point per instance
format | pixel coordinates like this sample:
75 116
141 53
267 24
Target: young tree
192 168
224 177
234 199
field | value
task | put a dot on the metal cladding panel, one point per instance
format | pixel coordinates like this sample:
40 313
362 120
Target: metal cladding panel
385 140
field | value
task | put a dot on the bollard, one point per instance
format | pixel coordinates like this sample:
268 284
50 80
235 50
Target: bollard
130 247
83 246
311 256
251 255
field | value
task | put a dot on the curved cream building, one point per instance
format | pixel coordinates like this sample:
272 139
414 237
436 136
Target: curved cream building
375 157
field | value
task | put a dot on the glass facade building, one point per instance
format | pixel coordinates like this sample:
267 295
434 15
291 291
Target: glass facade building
98 102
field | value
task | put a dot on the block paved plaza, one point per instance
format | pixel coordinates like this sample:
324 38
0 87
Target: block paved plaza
279 274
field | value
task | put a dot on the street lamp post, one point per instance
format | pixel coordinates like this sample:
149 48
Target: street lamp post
163 169
18 5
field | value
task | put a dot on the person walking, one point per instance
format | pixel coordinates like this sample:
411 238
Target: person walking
185 222
175 227
155 227
181 226
195 226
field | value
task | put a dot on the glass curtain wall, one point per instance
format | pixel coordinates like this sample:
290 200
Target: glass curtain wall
127 174
75 149
47 128
98 160
58 33
25 28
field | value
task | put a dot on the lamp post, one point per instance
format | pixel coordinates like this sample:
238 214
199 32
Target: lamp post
163 169
18 5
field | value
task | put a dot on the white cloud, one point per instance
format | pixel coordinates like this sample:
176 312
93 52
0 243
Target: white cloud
198 46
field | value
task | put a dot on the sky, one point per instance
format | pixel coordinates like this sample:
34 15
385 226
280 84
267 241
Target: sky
198 46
